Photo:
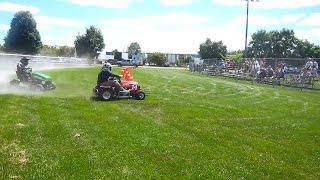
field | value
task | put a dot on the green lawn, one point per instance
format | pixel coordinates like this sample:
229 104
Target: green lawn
190 126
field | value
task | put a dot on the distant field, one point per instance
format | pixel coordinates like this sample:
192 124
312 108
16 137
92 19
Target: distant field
190 126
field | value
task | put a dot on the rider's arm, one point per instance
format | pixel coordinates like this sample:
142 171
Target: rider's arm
113 75
22 67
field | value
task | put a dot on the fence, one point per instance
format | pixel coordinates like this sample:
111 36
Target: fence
292 72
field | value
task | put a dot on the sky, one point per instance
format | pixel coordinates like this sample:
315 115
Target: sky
167 26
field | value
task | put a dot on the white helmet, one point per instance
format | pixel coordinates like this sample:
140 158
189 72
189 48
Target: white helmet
107 65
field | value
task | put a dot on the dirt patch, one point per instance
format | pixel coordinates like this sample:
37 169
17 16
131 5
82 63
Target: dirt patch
16 154
19 125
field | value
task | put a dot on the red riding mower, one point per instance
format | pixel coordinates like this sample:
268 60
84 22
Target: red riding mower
108 92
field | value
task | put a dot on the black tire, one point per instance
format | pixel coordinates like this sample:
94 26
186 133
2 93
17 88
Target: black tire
14 82
140 95
38 88
52 86
105 94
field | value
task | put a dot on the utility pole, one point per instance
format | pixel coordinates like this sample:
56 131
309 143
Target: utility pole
247 24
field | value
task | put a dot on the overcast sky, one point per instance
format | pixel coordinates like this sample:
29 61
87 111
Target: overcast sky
168 26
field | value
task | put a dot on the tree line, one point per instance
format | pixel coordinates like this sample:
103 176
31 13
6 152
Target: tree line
281 44
23 37
273 44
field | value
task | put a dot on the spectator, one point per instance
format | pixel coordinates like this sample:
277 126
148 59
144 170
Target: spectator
315 63
314 71
270 71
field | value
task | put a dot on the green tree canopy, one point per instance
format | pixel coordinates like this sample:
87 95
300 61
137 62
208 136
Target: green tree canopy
306 49
159 59
134 49
64 51
23 36
1 48
88 44
280 44
210 49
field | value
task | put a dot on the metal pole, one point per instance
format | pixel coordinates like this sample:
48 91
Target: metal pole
247 22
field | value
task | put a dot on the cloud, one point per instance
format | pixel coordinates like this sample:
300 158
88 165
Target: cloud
4 27
267 20
292 18
182 40
43 27
255 20
271 4
176 2
45 21
170 33
312 20
56 39
103 3
13 7
169 20
312 35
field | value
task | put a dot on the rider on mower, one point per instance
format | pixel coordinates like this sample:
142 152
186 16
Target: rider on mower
105 74
23 71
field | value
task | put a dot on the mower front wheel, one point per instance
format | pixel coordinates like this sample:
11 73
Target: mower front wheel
140 95
38 88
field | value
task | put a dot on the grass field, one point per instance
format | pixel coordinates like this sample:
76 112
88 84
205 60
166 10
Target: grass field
190 126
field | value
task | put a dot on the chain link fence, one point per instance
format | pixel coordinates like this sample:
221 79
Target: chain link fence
301 73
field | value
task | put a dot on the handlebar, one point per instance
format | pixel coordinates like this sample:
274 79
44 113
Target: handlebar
118 78
28 70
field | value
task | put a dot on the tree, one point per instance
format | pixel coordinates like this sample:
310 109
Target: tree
236 55
23 36
210 49
1 48
48 50
90 43
280 44
306 49
134 49
260 45
316 51
184 59
189 59
159 59
64 51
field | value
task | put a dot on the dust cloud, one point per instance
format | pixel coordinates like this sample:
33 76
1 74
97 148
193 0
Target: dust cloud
8 68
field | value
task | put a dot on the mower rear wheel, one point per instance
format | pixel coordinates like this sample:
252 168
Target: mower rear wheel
14 83
105 94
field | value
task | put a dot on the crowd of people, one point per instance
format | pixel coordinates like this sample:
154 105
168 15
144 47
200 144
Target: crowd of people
294 71
259 68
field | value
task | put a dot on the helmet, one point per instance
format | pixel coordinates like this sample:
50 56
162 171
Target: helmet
24 60
108 66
